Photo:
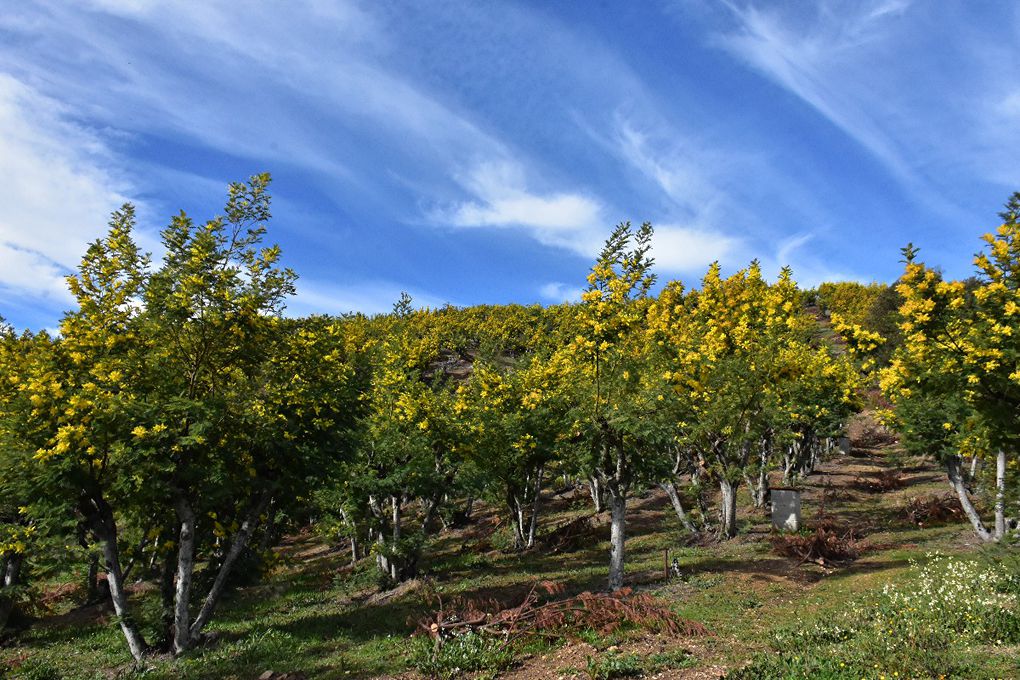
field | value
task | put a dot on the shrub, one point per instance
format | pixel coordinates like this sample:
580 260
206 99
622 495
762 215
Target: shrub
460 654
614 665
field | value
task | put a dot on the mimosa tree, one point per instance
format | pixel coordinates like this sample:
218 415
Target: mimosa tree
608 377
960 349
729 351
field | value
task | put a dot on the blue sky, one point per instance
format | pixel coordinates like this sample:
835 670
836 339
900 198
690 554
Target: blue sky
473 152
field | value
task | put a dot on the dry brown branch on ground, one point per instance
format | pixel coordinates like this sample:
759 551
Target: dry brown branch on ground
536 616
826 545
932 509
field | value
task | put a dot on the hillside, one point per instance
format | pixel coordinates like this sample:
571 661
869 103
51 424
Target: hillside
317 616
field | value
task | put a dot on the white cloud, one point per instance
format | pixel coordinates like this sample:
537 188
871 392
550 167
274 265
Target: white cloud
808 267
368 297
557 292
679 249
555 212
503 199
58 182
24 273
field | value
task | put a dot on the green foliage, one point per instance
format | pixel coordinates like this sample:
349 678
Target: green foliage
608 371
461 655
611 665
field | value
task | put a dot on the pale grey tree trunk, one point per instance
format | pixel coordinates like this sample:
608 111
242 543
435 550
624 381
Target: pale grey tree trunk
111 556
789 461
394 566
535 501
1000 495
10 573
727 509
185 570
237 545
431 510
617 537
956 482
815 458
381 560
674 497
597 493
517 517
760 485
975 466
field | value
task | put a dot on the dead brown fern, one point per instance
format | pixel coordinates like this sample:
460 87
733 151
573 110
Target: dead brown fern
537 617
826 545
932 509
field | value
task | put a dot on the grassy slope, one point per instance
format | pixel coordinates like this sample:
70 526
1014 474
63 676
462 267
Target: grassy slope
319 617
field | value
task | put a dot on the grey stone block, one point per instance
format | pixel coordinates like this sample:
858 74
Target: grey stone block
786 509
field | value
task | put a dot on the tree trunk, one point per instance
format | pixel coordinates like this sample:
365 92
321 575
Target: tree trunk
381 560
513 504
10 571
239 543
92 575
728 509
598 494
107 535
760 485
674 497
789 460
431 510
185 569
618 508
1000 495
166 594
269 532
533 524
763 486
975 465
92 580
956 482
395 568
757 498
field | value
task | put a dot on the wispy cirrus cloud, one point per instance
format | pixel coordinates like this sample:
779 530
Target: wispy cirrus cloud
927 89
366 297
806 60
58 182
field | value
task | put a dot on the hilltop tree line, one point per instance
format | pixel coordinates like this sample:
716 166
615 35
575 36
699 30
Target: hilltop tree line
179 424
